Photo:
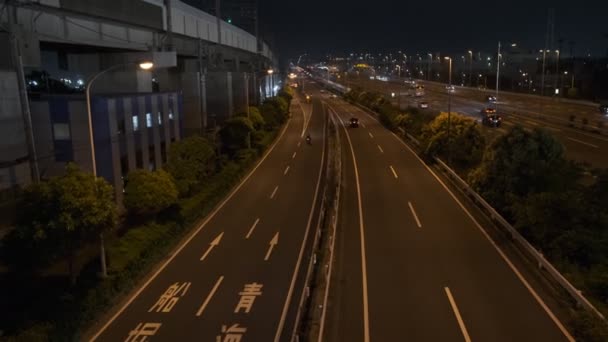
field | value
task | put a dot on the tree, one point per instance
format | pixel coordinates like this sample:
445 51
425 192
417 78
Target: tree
466 144
286 93
520 163
189 162
254 116
235 134
149 192
274 112
59 215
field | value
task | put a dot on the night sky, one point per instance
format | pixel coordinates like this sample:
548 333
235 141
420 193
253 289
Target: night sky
335 26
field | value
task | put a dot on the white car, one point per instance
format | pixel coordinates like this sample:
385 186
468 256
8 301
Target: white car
450 89
423 105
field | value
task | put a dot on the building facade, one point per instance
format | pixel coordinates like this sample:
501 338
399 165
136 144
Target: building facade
130 132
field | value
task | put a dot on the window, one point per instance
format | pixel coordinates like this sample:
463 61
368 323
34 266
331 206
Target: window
61 131
170 115
148 120
135 123
160 118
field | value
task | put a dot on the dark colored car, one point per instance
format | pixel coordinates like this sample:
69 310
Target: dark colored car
491 98
492 120
354 122
604 109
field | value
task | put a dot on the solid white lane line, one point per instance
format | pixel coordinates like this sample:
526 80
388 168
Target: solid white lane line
414 213
217 284
380 148
371 135
463 328
393 170
195 233
293 156
277 336
366 337
506 259
274 192
252 228
306 120
286 170
582 142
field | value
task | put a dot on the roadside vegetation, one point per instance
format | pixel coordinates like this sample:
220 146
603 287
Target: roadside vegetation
525 176
51 259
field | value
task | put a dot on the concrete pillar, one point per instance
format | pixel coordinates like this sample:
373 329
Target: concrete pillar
238 92
219 97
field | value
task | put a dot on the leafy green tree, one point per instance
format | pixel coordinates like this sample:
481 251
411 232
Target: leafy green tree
235 134
403 120
255 117
466 143
274 112
59 215
286 93
149 192
520 163
190 161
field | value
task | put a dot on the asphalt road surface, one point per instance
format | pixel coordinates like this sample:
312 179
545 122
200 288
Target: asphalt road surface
239 275
580 145
411 263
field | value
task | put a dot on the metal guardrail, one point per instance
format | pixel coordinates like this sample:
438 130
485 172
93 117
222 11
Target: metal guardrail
325 210
527 247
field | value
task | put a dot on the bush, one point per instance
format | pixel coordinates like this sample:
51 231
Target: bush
235 134
149 193
190 161
466 144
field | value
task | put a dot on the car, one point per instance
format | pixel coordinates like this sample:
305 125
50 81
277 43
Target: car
423 105
450 88
322 91
491 98
488 111
604 109
308 98
354 122
333 96
492 120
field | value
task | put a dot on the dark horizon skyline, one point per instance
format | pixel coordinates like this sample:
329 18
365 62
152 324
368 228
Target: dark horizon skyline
321 28
341 26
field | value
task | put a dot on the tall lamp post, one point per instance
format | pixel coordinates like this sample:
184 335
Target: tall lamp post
270 72
145 65
470 67
428 73
449 107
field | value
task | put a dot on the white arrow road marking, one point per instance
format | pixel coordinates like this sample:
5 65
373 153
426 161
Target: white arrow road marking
213 243
273 242
217 284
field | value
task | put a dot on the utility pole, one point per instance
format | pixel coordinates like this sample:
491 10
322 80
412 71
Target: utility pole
169 25
23 97
218 17
497 75
470 68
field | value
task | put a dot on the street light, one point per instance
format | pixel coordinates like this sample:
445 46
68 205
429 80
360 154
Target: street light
449 106
470 67
270 72
145 65
428 74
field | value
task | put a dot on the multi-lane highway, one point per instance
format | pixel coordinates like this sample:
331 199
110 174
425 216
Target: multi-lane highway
580 145
238 276
412 264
